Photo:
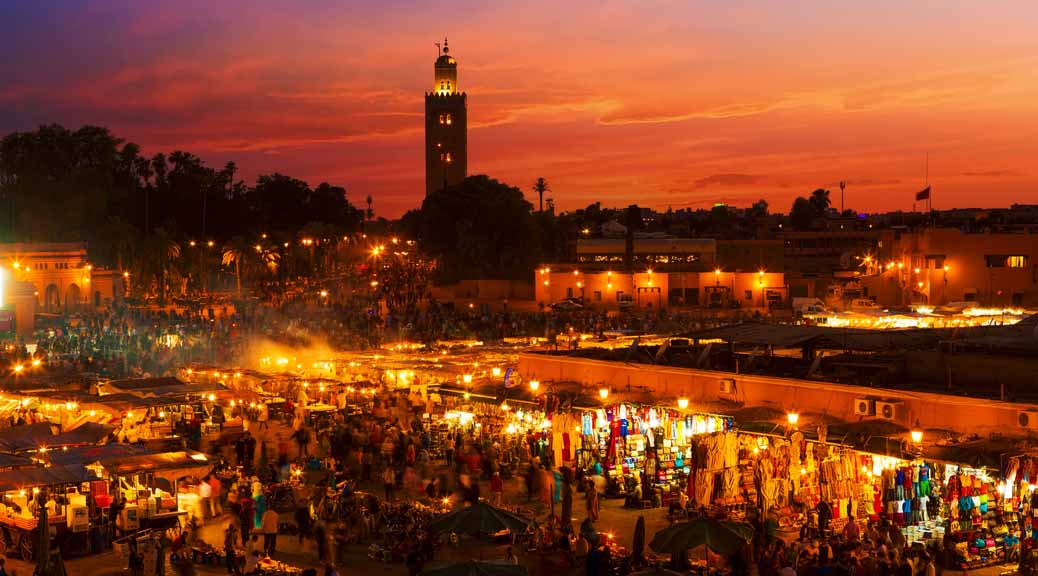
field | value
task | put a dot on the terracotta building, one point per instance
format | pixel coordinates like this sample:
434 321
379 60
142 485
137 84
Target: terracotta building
667 272
945 265
62 278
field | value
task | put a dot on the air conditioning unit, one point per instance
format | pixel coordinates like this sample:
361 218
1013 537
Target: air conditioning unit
893 410
727 386
864 407
1027 419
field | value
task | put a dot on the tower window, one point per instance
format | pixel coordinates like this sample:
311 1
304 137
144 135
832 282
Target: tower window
445 157
445 118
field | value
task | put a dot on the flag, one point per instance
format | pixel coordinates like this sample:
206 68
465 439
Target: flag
923 194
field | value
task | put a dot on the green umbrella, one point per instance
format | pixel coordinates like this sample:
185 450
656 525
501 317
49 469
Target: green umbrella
721 537
480 518
474 568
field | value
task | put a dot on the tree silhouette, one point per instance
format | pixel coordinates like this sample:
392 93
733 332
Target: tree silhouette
479 228
802 214
237 253
820 201
540 186
160 251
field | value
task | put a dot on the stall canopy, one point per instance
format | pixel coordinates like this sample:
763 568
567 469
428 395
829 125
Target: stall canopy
83 455
28 437
31 477
157 387
123 401
41 434
85 435
12 461
169 465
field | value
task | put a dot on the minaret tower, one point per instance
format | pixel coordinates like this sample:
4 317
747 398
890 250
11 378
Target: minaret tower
446 138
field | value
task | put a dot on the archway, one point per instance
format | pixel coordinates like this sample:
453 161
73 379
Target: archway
72 298
52 299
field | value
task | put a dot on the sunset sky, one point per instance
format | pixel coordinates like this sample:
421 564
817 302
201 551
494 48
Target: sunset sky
665 103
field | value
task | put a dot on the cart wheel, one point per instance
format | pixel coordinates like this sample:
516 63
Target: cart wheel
25 546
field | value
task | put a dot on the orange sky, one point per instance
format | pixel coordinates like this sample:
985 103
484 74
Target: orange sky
664 103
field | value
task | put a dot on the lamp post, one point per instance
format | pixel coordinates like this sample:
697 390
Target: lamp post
944 293
760 286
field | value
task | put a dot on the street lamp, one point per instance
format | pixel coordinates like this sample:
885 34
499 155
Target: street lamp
467 378
495 371
683 403
792 418
603 393
917 436
534 385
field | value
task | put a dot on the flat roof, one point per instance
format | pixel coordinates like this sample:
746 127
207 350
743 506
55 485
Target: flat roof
1023 334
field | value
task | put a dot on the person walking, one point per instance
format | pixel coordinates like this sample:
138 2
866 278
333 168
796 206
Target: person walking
497 488
205 495
245 519
269 528
389 481
215 496
264 415
592 501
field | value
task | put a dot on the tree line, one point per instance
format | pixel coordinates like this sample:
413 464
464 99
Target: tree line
58 184
142 213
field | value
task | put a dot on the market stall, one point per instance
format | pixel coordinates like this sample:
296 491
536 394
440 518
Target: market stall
66 505
152 487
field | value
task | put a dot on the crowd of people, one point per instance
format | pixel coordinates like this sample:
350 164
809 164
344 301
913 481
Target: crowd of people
140 341
373 479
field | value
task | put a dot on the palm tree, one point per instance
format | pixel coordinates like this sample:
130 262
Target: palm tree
159 251
820 200
119 238
238 252
540 186
370 213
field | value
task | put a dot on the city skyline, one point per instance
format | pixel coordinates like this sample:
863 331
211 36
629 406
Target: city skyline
686 105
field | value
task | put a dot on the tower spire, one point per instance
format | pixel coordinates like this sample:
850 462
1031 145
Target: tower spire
445 48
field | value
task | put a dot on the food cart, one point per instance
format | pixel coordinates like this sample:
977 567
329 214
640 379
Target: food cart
68 514
150 485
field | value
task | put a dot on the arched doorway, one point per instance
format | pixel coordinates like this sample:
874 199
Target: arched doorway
72 298
52 299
